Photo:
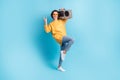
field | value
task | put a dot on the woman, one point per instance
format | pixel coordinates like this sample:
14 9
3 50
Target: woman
58 30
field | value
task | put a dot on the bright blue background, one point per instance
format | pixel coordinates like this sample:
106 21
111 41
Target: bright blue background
28 53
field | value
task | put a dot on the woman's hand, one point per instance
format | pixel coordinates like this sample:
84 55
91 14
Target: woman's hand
45 20
62 9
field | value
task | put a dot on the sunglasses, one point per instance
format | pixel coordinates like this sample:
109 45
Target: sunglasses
55 14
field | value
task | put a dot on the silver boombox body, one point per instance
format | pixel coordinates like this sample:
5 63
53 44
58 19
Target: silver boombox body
65 14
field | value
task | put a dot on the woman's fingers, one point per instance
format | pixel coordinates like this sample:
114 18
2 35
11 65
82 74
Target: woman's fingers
45 20
62 9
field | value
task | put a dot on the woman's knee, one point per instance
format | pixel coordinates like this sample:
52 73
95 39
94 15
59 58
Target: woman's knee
71 41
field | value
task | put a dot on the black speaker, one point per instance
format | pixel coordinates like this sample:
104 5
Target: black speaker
65 14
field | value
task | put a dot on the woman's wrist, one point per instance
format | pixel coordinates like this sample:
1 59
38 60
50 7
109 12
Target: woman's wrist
45 22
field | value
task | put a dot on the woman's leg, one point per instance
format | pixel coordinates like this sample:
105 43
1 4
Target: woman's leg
60 64
66 44
60 61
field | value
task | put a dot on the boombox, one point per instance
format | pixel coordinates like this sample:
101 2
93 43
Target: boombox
65 14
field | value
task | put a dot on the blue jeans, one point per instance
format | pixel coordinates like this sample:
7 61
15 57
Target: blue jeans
66 43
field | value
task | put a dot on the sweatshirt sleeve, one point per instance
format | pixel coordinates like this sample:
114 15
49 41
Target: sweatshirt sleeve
47 28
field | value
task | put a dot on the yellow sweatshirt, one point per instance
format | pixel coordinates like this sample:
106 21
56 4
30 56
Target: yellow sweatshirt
57 28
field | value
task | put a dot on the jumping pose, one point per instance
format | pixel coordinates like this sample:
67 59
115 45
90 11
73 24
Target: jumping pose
58 30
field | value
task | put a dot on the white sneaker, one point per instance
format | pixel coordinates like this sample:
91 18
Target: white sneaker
61 69
62 55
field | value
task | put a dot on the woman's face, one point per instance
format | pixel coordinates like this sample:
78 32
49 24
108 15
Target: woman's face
55 15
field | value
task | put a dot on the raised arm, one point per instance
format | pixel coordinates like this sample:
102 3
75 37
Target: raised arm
47 26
